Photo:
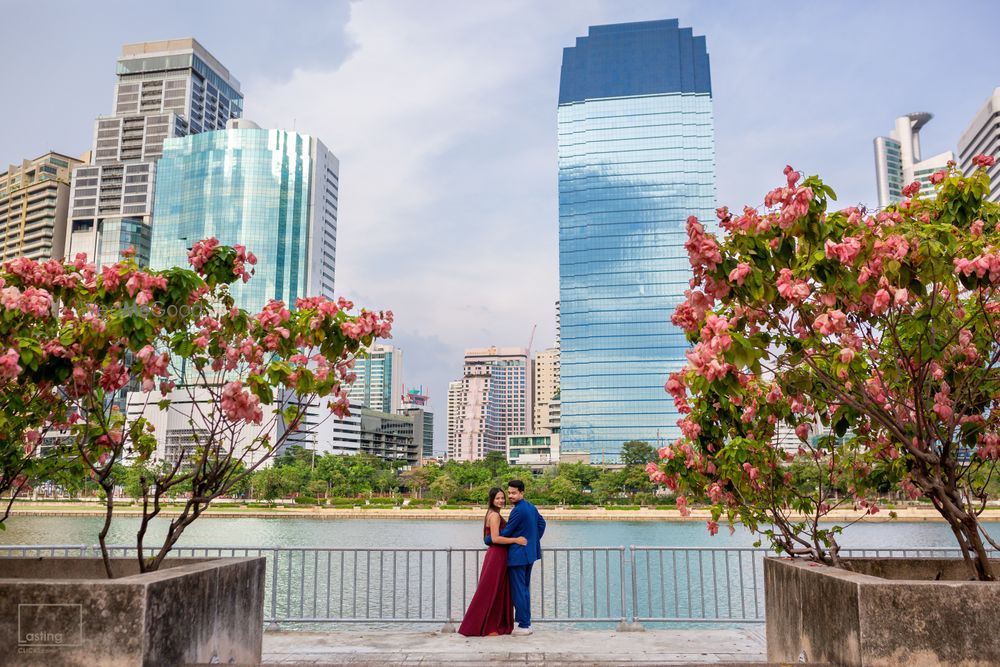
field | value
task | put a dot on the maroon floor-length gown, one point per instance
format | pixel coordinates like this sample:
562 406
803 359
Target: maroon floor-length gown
491 610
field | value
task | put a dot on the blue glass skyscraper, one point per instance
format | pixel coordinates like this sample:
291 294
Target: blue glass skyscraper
636 158
273 191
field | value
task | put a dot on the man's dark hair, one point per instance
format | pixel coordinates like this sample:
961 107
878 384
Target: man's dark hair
516 484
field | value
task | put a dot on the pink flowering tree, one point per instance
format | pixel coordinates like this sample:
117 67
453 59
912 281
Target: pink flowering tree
873 337
112 353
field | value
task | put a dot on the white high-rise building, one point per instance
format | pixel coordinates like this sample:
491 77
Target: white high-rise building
379 385
545 387
494 402
454 408
165 89
898 160
982 137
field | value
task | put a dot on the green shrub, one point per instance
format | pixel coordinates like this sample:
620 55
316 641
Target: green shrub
305 500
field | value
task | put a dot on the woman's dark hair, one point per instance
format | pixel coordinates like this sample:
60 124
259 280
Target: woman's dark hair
489 501
493 494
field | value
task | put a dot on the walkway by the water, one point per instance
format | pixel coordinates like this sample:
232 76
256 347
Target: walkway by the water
549 646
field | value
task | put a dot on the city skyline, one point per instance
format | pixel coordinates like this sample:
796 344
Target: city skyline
472 104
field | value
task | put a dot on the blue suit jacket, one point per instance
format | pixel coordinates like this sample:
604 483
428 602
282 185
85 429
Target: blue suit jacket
524 521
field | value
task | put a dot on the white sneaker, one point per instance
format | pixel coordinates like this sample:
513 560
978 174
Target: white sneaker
522 632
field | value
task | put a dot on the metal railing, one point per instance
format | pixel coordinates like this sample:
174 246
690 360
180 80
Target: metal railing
578 585
695 585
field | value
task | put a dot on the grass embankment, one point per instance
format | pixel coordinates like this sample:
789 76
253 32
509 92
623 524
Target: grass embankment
424 510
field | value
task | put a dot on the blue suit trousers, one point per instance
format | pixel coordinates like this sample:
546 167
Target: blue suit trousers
520 592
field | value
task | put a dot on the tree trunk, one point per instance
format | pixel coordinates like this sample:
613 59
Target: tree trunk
965 526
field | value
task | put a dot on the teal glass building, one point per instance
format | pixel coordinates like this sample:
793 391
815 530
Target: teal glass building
636 158
273 191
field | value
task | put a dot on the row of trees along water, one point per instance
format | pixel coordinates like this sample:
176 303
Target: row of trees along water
304 477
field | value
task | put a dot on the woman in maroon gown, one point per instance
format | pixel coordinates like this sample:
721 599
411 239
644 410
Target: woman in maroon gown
491 611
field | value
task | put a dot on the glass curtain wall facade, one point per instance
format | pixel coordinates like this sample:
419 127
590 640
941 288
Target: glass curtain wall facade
165 89
636 158
379 383
274 192
245 186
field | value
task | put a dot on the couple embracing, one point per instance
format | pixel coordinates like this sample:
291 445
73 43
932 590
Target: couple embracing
514 546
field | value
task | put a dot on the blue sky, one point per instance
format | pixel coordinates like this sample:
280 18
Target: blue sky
443 117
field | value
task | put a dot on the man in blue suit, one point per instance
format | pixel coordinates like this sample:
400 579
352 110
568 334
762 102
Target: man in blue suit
527 522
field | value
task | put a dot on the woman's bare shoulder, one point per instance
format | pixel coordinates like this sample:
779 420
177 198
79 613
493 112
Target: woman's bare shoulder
493 517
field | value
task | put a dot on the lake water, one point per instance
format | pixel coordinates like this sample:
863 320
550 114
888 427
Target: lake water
362 584
385 533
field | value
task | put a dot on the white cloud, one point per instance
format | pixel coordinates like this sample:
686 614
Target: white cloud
448 215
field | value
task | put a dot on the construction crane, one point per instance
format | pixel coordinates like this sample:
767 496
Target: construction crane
531 338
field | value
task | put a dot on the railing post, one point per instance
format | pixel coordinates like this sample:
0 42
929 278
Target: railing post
633 625
449 625
623 623
273 625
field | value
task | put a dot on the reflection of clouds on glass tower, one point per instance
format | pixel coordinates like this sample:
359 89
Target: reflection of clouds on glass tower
273 191
636 157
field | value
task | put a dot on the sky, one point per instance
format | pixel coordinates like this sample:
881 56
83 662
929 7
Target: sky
443 115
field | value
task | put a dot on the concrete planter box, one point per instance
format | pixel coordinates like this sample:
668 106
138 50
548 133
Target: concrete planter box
886 612
64 611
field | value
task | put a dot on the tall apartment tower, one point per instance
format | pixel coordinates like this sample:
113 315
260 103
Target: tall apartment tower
898 159
636 158
545 382
274 192
34 205
165 89
492 403
982 137
454 410
379 385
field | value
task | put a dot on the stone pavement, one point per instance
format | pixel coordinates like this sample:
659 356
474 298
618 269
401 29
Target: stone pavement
549 647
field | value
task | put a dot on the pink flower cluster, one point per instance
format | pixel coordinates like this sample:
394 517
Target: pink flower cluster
707 363
114 375
740 273
140 285
153 366
986 264
984 161
750 221
242 259
943 404
682 506
340 406
912 189
703 250
690 312
201 252
846 250
715 492
676 388
989 446
368 322
791 290
9 368
240 405
830 323
33 301
690 429
794 201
